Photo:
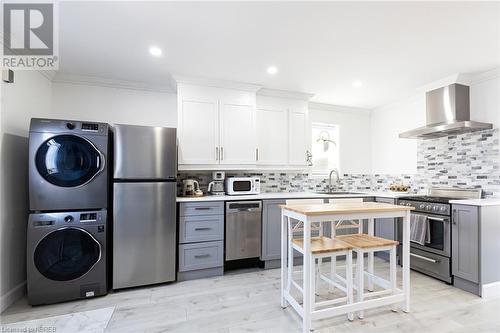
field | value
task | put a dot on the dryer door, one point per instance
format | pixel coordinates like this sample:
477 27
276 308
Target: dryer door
66 254
68 160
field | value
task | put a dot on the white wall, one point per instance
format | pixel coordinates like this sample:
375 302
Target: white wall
29 96
114 105
354 134
392 155
389 153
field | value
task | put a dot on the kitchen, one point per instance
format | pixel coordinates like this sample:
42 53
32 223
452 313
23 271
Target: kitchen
206 131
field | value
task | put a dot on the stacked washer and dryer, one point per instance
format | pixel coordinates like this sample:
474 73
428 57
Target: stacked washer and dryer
67 234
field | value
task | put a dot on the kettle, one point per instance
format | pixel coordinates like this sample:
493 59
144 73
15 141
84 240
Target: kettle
191 187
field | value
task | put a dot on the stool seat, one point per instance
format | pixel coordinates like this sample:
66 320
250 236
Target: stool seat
363 241
324 245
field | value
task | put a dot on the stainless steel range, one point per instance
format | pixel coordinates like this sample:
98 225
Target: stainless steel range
434 257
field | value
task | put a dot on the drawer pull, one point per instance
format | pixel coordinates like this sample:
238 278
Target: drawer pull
202 208
202 255
424 258
202 228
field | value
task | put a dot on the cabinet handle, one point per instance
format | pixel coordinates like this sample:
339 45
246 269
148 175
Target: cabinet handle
216 153
202 228
202 208
221 153
202 256
256 154
454 217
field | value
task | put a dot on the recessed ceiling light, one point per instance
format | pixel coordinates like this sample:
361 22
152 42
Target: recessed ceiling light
272 70
155 51
357 84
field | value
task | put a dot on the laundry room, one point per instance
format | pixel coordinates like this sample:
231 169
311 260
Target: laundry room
249 166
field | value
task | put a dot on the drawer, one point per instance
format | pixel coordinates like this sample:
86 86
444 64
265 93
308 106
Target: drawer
200 255
430 264
201 228
201 208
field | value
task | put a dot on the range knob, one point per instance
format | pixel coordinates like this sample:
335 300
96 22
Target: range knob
408 204
70 126
68 219
422 206
443 209
435 208
428 207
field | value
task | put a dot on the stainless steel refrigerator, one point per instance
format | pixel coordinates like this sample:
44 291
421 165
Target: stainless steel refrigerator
144 217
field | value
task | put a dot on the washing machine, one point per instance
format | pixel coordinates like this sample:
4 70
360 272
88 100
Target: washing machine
68 165
66 256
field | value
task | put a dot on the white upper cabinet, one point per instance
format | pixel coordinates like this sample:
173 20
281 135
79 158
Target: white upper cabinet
300 140
234 129
215 126
237 135
199 138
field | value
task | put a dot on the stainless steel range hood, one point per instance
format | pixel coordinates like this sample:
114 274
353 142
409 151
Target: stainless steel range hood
448 113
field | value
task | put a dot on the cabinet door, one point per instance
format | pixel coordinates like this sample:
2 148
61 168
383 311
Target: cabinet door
198 132
299 137
272 136
271 229
237 142
465 242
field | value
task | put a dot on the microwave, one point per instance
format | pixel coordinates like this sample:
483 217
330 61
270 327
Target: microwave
242 185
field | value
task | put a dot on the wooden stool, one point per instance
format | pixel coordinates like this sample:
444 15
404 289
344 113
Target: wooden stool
362 244
322 247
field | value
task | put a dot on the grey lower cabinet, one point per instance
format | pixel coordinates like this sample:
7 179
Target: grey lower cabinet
385 228
201 240
465 247
271 233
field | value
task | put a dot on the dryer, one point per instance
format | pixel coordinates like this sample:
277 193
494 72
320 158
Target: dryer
66 256
68 165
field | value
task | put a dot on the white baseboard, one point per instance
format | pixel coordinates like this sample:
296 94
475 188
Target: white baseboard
490 290
12 295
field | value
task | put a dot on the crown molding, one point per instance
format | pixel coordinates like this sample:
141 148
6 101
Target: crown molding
284 94
111 83
216 83
338 108
485 76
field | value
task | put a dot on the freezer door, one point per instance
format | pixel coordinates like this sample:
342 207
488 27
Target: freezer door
144 230
142 152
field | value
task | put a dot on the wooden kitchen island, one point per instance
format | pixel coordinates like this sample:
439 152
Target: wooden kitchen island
329 213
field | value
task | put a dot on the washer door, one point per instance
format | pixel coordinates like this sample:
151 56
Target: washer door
66 254
68 160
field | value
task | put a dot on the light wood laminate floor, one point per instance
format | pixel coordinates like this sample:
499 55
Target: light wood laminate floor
248 301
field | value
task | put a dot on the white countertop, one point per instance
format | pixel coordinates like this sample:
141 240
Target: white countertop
290 195
477 202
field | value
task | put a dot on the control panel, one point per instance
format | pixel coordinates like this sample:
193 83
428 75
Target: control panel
427 207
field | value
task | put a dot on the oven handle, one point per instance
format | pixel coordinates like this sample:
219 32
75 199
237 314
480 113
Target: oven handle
424 258
437 219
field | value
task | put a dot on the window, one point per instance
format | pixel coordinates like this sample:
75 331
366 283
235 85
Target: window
325 148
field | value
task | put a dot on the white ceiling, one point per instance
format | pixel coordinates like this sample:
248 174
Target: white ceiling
319 48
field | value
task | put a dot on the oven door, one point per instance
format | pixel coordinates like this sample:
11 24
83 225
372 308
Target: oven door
440 232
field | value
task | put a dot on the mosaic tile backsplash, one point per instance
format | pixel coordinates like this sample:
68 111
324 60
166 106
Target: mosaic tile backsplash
468 160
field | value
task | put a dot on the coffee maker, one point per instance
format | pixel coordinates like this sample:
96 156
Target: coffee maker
216 186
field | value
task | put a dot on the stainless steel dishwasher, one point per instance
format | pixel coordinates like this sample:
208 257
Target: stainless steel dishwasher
243 229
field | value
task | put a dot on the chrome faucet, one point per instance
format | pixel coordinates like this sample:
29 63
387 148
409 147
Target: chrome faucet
330 188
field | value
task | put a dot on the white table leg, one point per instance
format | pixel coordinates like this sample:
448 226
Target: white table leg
348 277
284 240
307 268
360 278
406 261
371 232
